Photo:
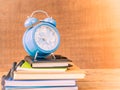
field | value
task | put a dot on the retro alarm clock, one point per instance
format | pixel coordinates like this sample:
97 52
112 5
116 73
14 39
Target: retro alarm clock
41 37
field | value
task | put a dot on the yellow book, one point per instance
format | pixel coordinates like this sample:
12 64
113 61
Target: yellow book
73 72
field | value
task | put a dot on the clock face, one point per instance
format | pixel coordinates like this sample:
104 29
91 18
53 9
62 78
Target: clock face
46 37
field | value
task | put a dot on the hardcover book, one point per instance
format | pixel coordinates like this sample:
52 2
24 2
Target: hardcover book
73 72
27 67
42 88
58 62
32 83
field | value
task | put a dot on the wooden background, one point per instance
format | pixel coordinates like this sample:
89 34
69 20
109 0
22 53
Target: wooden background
90 30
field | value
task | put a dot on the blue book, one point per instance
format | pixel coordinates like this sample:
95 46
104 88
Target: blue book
42 88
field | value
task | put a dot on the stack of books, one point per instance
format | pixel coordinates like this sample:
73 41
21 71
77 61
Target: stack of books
58 74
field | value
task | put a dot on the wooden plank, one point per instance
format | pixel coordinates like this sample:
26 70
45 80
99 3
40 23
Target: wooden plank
98 85
98 79
102 75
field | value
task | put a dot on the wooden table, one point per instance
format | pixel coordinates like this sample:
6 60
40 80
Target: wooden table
98 79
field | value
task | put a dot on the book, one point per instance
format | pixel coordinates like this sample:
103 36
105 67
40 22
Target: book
48 62
63 69
32 83
42 88
73 72
22 76
27 67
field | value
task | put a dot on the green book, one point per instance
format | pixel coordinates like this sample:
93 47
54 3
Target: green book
26 66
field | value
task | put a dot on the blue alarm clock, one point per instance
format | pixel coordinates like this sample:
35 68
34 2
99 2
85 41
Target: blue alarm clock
41 37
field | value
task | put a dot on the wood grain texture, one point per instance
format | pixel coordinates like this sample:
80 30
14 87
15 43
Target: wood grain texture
89 30
98 79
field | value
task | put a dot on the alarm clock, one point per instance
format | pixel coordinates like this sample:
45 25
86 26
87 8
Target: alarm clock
41 37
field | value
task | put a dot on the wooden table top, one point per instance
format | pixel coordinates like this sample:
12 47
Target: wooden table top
98 79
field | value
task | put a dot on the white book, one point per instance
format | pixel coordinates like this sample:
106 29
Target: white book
40 83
